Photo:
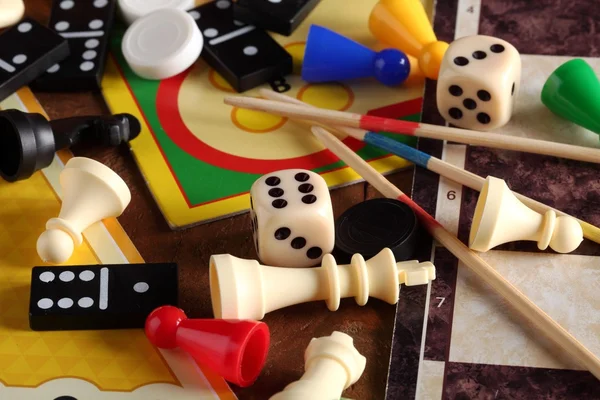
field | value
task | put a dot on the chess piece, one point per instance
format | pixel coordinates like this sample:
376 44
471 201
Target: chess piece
91 192
331 364
478 82
404 25
501 218
292 218
573 92
333 57
244 289
29 141
236 350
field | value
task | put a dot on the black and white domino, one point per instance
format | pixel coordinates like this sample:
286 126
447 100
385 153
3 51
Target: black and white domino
86 24
244 55
281 16
99 296
26 51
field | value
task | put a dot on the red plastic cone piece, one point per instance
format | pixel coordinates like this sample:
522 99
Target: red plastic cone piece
235 349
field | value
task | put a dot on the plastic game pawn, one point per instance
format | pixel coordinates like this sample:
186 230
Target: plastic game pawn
236 350
501 218
91 192
332 57
331 364
573 92
244 289
28 141
404 25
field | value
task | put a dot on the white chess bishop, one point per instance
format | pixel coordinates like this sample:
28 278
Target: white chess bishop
501 218
244 289
90 192
331 364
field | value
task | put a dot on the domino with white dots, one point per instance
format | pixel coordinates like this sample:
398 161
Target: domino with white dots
86 24
99 296
26 51
244 55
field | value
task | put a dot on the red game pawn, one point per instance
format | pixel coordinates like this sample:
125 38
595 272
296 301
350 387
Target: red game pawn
235 349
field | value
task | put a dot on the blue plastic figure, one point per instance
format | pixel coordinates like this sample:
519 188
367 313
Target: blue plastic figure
333 57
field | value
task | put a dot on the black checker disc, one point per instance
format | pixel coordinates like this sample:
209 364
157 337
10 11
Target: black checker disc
373 225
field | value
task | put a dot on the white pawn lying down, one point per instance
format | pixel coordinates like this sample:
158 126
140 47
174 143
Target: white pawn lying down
244 289
331 365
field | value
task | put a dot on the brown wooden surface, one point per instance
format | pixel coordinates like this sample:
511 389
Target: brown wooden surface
291 328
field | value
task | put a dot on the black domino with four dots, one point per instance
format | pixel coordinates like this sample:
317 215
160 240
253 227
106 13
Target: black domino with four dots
26 51
86 25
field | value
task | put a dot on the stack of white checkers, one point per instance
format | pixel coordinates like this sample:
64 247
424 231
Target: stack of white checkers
163 40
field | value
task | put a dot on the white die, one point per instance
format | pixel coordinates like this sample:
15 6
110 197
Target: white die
478 82
292 218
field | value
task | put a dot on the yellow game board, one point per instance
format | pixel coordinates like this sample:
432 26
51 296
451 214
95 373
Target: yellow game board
109 364
199 156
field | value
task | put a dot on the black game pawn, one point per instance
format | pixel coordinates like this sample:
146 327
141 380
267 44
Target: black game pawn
28 141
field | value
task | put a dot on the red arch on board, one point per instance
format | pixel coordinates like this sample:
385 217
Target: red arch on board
174 126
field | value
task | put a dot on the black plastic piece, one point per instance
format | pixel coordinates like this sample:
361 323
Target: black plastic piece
28 141
373 225
283 17
87 297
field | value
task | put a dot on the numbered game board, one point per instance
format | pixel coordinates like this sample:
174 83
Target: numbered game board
456 339
200 156
76 365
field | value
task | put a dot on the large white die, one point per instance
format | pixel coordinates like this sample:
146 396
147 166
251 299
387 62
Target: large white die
292 218
478 82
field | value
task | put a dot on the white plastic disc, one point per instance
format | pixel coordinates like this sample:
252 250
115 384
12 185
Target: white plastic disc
11 12
162 44
133 9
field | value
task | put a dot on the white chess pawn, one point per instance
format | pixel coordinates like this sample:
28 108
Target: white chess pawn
244 289
331 365
91 192
501 218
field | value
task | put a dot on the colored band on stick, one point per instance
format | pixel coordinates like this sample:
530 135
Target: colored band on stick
400 149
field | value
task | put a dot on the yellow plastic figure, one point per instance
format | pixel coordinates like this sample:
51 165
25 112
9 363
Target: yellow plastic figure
403 24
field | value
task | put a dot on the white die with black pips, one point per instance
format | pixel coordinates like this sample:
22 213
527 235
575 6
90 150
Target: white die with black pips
478 82
292 218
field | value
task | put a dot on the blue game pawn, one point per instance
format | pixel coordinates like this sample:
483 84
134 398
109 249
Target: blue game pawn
332 57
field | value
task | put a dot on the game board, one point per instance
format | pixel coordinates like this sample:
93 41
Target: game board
456 339
69 365
200 157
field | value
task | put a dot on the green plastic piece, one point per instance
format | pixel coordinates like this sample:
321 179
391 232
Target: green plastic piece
573 92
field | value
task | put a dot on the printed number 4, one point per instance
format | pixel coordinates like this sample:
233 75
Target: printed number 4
471 10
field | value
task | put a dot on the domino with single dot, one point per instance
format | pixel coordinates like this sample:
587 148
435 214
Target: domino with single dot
88 297
26 51
86 24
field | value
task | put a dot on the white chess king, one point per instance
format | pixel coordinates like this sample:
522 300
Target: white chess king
501 218
331 365
90 192
244 289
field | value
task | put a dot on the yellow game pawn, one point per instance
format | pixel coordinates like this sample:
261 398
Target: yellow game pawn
404 25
